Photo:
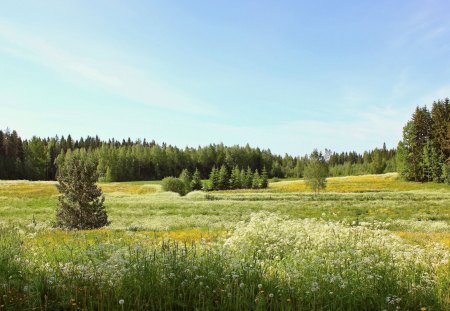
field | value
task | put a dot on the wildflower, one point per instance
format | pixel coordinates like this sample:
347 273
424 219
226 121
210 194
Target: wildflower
270 295
121 302
241 285
423 309
260 286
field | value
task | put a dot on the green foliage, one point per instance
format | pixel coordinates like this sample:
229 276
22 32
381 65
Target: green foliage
174 184
235 178
36 159
223 182
256 180
423 149
186 178
316 172
264 178
248 179
81 202
196 183
214 179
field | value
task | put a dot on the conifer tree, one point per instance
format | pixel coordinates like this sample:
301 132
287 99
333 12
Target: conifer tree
81 202
235 179
256 181
196 183
214 179
264 178
248 178
223 179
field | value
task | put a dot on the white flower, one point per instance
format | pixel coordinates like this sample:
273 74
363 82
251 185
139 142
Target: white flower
121 302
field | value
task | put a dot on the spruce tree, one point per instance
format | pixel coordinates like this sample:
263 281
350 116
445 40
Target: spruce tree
243 179
81 202
264 178
235 179
214 179
248 178
256 181
223 179
196 183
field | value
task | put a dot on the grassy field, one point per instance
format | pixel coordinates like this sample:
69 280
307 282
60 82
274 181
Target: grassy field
367 243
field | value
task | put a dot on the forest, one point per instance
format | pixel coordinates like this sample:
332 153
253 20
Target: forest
422 155
38 159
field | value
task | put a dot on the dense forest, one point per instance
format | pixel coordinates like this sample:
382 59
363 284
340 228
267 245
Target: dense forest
38 159
424 152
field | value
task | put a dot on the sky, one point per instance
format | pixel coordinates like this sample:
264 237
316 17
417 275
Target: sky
288 76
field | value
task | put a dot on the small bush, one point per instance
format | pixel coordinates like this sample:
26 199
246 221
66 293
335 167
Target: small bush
174 185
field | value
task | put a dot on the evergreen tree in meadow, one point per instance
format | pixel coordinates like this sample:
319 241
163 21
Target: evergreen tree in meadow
256 181
196 183
235 178
214 179
223 179
81 201
264 178
248 180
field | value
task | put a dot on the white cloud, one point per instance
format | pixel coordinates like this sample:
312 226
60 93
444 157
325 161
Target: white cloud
116 78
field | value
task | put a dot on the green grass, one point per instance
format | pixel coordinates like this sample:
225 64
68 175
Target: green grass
369 242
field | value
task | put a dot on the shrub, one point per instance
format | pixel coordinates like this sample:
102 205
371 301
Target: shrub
174 184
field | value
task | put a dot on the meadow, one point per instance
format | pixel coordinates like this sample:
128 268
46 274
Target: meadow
369 242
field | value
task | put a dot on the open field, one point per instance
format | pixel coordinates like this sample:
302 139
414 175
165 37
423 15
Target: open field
368 243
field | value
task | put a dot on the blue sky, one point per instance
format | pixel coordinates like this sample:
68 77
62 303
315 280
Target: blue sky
286 75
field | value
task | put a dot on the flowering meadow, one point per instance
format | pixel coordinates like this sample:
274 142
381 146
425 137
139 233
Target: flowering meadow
376 248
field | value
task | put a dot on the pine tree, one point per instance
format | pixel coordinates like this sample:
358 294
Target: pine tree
196 183
214 179
264 178
256 181
235 179
243 179
248 178
223 179
81 202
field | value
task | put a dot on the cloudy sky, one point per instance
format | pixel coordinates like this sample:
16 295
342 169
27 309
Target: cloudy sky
286 75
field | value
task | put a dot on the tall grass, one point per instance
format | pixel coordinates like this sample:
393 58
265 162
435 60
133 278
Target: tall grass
266 263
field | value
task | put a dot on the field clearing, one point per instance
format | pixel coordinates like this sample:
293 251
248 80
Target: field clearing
369 242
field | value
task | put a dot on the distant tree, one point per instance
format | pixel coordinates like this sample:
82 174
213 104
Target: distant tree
264 178
196 183
248 180
235 178
256 181
214 179
316 172
36 159
378 163
223 179
81 202
186 178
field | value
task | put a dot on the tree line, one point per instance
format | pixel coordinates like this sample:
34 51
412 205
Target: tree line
424 152
38 159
